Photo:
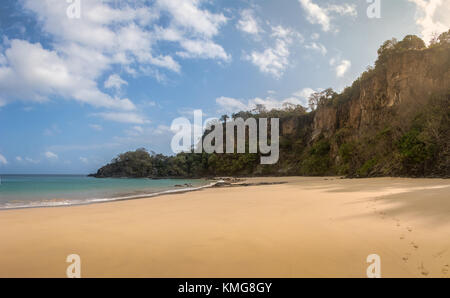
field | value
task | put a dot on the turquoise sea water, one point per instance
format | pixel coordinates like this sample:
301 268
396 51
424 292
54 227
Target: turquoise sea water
25 191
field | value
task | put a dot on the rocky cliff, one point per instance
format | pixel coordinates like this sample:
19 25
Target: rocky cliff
393 121
407 79
383 105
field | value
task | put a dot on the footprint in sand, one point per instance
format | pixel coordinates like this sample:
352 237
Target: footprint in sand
423 271
406 257
414 245
402 237
439 254
409 229
445 269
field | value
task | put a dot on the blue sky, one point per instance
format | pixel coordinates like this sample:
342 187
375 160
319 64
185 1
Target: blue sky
74 92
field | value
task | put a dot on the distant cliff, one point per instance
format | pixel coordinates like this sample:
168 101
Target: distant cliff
392 121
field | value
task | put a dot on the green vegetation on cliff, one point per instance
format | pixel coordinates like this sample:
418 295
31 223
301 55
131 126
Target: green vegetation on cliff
392 121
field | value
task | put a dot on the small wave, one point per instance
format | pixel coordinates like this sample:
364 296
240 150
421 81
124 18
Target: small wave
67 203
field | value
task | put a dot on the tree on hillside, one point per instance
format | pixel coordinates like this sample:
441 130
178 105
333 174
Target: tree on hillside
411 42
444 38
322 98
387 46
386 50
434 39
314 100
260 109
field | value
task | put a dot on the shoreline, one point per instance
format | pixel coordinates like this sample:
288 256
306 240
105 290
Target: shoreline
93 201
235 182
307 227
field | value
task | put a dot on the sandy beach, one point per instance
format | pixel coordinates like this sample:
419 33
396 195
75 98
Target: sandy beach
308 227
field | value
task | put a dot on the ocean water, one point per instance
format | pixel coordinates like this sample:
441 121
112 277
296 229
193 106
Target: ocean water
27 191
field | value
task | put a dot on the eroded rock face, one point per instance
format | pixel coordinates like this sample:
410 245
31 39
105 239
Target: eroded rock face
289 126
325 122
408 80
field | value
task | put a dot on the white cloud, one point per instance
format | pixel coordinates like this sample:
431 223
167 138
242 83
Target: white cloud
135 131
71 65
151 137
187 13
75 147
248 23
284 33
138 129
77 60
274 60
84 160
122 117
432 17
317 47
204 49
53 130
315 14
30 160
116 35
344 9
304 93
3 60
50 155
323 15
3 160
115 81
315 36
34 73
96 127
233 105
342 68
198 46
149 103
271 103
230 105
162 129
193 28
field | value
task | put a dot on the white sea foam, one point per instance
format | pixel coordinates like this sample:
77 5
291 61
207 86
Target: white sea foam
77 202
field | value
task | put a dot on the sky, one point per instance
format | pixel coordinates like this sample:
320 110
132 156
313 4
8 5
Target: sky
80 84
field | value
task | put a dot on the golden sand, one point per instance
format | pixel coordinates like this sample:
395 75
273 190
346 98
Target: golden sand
309 227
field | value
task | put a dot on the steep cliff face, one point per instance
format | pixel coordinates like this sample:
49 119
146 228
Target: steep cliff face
390 98
408 80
